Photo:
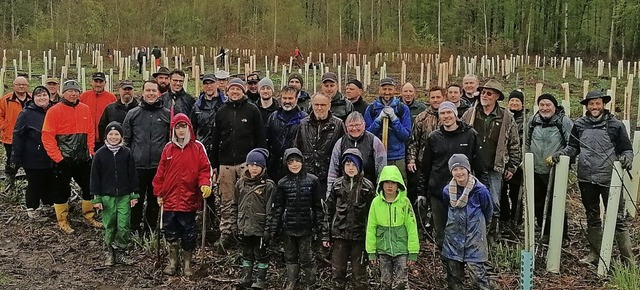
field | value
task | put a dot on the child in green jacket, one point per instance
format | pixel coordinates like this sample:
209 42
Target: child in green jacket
392 233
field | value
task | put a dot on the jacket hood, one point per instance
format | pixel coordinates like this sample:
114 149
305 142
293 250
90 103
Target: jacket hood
354 153
391 173
32 105
177 119
288 153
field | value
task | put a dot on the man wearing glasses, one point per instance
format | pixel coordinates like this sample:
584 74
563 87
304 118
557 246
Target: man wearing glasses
11 105
97 99
500 148
177 100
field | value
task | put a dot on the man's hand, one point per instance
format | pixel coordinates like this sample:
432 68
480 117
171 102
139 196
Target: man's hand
625 162
206 191
133 202
374 262
97 206
411 167
421 201
326 244
160 201
507 175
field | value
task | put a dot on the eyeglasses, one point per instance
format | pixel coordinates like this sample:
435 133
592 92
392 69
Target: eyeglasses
355 126
22 85
488 93
177 81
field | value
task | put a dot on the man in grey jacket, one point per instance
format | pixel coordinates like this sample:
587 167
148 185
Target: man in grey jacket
600 139
548 131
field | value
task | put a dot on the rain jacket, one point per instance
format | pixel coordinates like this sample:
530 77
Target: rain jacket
28 151
425 123
252 204
97 102
465 234
10 107
178 102
146 132
545 138
281 136
183 169
416 107
68 132
114 112
340 106
113 174
203 115
391 226
599 143
297 205
399 130
347 205
316 140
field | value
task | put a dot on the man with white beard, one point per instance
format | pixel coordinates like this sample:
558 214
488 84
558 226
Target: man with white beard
549 131
282 126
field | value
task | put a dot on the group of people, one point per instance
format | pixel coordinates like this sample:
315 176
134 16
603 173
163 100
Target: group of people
309 169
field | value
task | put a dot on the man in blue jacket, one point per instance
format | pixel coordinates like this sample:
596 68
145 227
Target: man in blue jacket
399 115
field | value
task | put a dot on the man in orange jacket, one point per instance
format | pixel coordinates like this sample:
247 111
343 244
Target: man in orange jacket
11 104
97 99
68 136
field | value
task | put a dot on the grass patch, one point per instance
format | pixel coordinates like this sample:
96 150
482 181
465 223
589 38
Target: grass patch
507 256
625 277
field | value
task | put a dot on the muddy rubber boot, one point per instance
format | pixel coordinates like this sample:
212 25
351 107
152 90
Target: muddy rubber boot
624 246
246 274
62 215
121 258
186 263
309 276
109 256
594 236
293 273
261 277
173 259
492 235
89 213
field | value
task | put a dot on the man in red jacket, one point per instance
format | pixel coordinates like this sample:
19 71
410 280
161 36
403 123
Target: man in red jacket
68 137
97 99
183 174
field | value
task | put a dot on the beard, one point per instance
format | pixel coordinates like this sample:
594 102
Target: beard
163 88
288 107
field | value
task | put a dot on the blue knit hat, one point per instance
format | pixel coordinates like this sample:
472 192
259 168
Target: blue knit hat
354 159
258 157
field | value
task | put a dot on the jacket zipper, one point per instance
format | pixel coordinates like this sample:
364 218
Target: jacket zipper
115 162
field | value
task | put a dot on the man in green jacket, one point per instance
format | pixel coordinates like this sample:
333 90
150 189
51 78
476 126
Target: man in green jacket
392 232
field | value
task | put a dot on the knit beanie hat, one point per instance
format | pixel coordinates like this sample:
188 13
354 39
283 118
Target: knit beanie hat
236 82
71 85
517 94
266 82
354 159
114 125
258 157
296 76
457 160
549 97
446 105
356 83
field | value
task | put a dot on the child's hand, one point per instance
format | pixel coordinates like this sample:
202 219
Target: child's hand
160 201
326 244
373 262
97 206
411 263
133 202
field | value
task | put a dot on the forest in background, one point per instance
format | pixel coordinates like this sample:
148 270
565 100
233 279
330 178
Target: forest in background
607 29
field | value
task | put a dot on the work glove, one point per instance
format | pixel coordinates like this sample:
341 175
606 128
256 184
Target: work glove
60 167
421 201
206 191
553 159
381 116
626 162
266 238
390 113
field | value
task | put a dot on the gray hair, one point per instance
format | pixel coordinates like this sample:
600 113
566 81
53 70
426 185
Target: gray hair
471 76
319 94
355 116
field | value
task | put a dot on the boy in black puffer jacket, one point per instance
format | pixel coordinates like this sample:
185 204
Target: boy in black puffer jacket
252 206
114 180
345 221
297 211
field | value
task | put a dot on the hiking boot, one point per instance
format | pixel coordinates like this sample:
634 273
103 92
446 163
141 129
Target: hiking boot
246 274
62 215
624 246
261 277
293 272
89 213
309 276
109 257
173 259
594 240
121 257
186 263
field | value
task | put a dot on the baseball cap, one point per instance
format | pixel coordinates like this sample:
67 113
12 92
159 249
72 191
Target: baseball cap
52 80
387 81
332 77
253 78
125 84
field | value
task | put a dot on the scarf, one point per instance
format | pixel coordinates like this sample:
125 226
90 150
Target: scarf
114 148
464 198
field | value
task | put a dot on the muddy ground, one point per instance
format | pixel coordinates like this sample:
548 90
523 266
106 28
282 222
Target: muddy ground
36 255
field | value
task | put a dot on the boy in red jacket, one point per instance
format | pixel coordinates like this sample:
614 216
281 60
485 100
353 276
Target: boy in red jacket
183 174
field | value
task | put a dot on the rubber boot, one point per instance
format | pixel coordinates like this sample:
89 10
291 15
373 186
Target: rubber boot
493 232
88 212
121 257
173 259
624 245
293 273
186 263
309 276
261 277
62 215
246 274
109 257
594 236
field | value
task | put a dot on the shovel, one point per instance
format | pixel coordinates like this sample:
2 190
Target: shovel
203 270
158 234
